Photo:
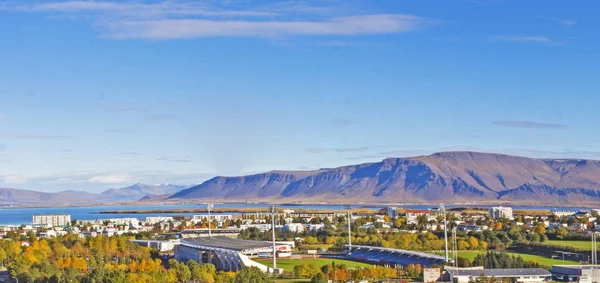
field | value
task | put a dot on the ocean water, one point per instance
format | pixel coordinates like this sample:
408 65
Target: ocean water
15 216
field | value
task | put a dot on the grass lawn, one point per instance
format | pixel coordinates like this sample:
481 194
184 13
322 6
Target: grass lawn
584 245
470 255
289 264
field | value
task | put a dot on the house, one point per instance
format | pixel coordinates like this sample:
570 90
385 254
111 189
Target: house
581 214
563 213
471 227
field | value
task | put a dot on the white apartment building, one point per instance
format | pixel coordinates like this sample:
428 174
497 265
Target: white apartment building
52 220
501 212
294 227
123 221
261 227
158 219
563 213
217 217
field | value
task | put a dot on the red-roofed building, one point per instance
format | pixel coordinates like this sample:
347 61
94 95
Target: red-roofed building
413 214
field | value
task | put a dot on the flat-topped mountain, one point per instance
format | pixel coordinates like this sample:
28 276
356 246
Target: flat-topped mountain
445 176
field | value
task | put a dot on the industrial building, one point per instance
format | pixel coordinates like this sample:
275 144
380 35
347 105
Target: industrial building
471 274
576 273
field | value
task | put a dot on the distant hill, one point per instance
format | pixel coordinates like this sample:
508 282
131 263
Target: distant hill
154 198
29 197
131 193
445 176
138 191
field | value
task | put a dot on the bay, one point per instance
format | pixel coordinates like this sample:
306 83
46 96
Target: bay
17 216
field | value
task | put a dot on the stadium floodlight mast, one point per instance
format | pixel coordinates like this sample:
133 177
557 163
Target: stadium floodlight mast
273 208
445 232
594 260
209 207
454 248
348 207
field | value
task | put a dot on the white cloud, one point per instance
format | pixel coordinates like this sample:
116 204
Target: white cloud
14 179
528 125
336 43
567 23
86 177
531 39
137 10
564 22
27 136
192 19
111 179
194 28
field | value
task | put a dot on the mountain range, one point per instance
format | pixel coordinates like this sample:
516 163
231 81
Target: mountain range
455 177
450 177
127 194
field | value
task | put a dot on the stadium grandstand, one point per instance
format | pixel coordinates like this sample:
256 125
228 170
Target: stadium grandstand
227 254
392 257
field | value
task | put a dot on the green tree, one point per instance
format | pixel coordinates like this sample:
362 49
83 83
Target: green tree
251 275
319 278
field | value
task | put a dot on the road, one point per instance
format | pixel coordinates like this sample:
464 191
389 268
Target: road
4 277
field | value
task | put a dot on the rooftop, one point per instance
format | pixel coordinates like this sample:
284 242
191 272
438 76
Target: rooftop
227 243
509 272
577 267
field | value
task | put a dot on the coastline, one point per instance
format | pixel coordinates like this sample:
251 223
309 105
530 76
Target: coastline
289 204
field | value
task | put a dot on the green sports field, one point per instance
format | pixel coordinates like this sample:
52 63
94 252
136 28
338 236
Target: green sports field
470 255
289 264
583 245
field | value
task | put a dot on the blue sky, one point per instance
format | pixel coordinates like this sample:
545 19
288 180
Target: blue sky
96 95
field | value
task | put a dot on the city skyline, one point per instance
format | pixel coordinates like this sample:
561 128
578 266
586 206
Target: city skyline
101 94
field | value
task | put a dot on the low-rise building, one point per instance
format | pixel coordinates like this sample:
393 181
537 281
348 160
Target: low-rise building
261 227
294 227
413 214
471 227
576 273
471 274
563 212
217 217
158 219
